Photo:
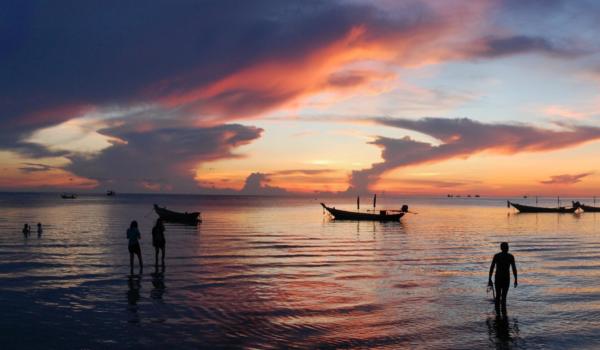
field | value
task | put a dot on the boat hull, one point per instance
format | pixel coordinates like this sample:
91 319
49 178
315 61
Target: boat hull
529 209
173 216
350 215
590 209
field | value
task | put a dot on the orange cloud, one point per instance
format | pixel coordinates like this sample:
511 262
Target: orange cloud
461 138
276 82
53 178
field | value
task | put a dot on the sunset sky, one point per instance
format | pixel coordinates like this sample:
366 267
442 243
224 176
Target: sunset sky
273 97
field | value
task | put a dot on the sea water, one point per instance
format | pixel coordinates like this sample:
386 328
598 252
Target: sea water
263 273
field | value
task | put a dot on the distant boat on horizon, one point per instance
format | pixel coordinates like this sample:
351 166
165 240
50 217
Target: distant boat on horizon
68 196
110 193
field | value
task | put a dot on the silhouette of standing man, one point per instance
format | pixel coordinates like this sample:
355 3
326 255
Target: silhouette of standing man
502 262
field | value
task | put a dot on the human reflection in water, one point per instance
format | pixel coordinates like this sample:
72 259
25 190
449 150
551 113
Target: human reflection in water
502 261
503 332
158 282
133 295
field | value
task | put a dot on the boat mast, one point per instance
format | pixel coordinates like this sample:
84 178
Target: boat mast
357 202
374 201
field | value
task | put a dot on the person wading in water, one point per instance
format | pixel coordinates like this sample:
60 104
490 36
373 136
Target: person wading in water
133 235
158 240
502 262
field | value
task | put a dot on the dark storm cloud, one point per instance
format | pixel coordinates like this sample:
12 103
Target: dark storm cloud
461 138
162 159
73 54
566 179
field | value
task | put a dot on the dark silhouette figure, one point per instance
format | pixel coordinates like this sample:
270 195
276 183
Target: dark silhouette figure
40 230
158 240
26 230
502 261
133 235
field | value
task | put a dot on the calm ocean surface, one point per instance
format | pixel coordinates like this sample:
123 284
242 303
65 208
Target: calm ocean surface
263 273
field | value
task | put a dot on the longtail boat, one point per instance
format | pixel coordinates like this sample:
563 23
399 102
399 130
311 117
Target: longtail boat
589 208
531 209
381 215
173 216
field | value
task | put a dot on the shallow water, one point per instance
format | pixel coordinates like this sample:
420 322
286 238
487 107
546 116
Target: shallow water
276 273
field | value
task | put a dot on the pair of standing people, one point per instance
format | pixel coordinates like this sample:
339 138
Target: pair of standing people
158 241
27 230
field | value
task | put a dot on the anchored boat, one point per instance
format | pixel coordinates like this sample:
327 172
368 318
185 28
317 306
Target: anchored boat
381 215
531 209
173 216
589 208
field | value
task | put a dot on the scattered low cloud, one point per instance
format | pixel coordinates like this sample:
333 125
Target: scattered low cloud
566 179
438 183
35 167
588 111
511 45
303 171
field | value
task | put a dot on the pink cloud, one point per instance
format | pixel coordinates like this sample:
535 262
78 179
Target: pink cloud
566 179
